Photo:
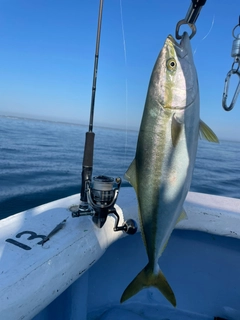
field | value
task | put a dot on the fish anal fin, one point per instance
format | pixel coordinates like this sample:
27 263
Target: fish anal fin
206 133
176 129
164 246
131 175
182 216
146 278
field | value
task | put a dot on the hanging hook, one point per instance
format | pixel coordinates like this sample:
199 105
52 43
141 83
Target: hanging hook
234 70
191 18
238 25
191 25
226 87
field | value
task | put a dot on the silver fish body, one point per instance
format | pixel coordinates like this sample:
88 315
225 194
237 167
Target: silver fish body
161 172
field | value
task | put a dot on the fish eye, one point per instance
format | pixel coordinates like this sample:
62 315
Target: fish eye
171 64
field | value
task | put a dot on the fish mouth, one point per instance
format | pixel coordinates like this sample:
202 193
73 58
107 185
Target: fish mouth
173 41
182 47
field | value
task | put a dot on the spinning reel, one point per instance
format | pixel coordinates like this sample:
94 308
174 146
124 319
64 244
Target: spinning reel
102 195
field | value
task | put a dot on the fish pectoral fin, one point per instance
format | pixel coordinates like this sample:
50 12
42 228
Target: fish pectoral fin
130 174
206 133
146 278
182 216
176 129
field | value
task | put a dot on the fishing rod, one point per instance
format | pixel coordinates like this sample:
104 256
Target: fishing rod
98 195
87 165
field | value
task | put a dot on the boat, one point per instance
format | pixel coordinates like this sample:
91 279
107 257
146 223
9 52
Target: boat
81 272
63 261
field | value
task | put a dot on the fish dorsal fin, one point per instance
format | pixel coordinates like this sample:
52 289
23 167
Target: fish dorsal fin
176 129
206 133
131 175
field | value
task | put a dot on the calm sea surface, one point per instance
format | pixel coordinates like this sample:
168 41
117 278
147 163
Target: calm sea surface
41 161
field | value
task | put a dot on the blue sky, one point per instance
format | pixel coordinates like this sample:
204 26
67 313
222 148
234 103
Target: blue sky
47 53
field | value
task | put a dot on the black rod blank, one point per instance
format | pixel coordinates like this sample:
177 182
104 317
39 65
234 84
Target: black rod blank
95 66
87 165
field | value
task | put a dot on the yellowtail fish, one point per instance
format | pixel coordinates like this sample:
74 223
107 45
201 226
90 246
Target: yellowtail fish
161 172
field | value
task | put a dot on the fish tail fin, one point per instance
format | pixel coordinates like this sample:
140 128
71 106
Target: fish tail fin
146 278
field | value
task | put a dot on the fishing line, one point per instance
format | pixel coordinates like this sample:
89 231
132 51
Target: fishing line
126 84
209 31
124 161
123 34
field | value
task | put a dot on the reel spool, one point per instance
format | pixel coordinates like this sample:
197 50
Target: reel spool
102 195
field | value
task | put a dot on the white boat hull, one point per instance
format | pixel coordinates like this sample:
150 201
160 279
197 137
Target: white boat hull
200 264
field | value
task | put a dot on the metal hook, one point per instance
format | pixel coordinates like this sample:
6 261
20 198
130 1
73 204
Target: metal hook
238 25
226 87
236 55
191 18
191 25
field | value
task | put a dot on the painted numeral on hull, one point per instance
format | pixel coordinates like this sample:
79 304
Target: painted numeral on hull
32 236
19 244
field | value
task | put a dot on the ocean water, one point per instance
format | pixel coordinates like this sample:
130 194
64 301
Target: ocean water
41 161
